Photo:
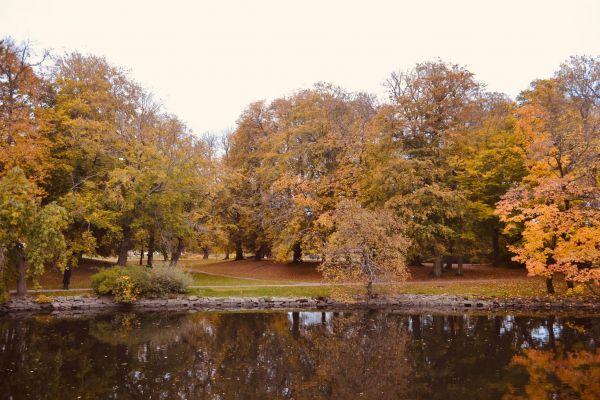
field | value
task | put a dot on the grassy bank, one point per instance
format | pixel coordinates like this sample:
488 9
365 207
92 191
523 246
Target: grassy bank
213 277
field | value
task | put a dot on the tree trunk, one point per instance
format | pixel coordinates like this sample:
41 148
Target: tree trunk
437 267
449 263
370 293
496 247
150 255
239 251
260 253
460 266
176 253
297 258
416 261
549 285
21 270
570 285
165 255
142 256
205 253
226 253
124 247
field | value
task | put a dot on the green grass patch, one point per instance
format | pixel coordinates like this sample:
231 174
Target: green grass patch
203 279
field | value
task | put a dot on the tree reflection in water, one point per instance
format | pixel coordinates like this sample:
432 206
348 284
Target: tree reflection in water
370 355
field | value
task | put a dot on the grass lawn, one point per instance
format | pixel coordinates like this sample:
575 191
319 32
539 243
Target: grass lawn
257 279
289 291
203 279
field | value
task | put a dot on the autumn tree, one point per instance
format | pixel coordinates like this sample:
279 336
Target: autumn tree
366 246
556 207
22 142
409 155
303 155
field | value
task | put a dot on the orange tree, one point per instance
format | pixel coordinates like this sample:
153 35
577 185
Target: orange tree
556 207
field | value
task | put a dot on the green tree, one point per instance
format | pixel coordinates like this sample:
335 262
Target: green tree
30 234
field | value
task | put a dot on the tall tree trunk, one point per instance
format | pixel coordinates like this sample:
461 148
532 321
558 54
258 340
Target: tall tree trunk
21 270
460 266
176 253
549 285
297 258
496 247
437 266
124 247
142 256
150 255
239 251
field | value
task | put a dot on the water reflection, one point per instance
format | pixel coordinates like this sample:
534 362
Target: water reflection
371 355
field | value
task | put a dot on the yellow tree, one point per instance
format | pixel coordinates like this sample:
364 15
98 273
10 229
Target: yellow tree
408 161
365 246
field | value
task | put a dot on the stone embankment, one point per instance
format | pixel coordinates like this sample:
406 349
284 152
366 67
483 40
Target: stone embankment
408 302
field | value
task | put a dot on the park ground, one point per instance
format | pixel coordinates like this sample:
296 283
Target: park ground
249 278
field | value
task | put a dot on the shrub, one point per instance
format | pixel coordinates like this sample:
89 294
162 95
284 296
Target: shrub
165 281
127 284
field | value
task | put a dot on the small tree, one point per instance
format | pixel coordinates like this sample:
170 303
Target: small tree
30 234
366 246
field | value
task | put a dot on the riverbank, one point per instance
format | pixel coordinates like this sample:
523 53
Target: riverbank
417 302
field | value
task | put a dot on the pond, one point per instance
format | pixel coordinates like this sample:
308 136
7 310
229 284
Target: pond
299 355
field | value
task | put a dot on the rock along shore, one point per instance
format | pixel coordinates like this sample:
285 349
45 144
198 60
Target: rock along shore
407 302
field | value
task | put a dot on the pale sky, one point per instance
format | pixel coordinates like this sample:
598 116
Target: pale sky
207 60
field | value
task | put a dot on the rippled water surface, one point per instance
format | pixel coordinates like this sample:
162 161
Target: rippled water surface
306 355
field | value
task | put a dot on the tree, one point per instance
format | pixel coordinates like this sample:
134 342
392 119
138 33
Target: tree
30 234
22 142
410 151
556 207
487 161
365 246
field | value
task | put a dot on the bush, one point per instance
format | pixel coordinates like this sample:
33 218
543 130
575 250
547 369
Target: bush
125 290
126 284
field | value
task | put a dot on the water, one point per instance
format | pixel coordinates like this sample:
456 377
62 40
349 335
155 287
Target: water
307 355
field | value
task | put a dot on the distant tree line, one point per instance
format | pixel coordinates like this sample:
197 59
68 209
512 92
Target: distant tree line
442 171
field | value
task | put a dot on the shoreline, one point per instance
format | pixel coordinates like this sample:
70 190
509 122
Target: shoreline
398 302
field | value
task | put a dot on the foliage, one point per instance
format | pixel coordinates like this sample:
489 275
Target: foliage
91 164
366 246
43 299
126 284
30 234
556 206
125 290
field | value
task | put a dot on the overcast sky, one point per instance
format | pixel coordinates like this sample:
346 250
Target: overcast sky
206 60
